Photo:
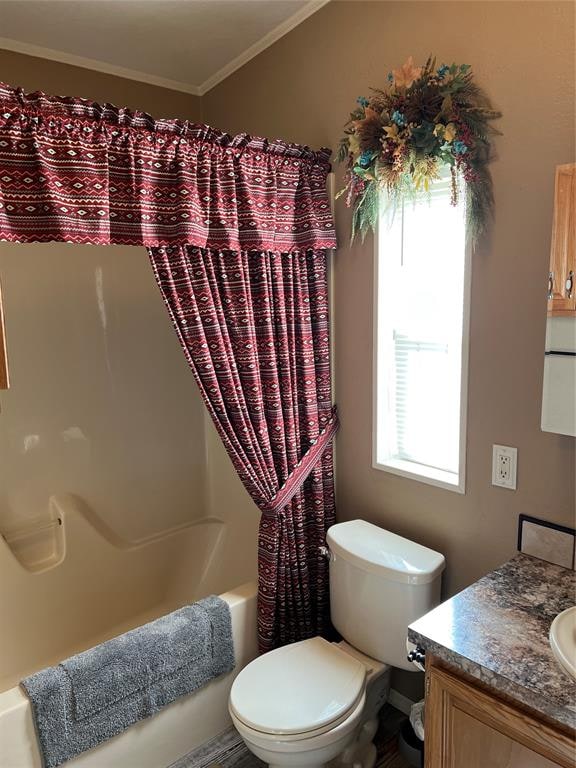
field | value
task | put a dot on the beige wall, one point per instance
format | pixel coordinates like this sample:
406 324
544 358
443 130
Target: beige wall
101 403
35 74
302 89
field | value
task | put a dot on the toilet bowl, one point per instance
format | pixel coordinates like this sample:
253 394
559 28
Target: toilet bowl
307 750
300 705
314 702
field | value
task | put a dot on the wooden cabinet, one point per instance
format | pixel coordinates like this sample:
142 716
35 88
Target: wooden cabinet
468 727
562 276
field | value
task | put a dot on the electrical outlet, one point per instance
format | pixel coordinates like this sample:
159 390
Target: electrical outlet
504 463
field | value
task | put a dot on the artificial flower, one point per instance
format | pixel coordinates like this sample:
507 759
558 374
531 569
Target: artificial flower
398 118
406 74
450 133
391 132
353 144
369 115
365 158
459 148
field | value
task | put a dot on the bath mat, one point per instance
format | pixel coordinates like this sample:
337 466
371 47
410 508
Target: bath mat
97 694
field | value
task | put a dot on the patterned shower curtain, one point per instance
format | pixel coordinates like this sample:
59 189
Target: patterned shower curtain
237 230
254 327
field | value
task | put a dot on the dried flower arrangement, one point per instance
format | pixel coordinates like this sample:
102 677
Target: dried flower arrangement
402 137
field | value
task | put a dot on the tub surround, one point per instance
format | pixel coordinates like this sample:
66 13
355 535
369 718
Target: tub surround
100 586
497 632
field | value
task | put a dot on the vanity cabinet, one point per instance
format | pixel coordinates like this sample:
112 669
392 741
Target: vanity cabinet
469 727
562 275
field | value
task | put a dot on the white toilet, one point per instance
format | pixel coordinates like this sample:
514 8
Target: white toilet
313 702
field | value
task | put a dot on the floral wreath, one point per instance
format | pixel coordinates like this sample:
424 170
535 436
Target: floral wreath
400 139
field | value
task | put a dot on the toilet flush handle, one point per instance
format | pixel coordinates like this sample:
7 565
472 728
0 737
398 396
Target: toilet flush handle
324 552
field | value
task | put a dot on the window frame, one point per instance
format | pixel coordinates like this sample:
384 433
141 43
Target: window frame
404 468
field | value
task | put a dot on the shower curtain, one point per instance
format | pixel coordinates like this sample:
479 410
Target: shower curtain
237 230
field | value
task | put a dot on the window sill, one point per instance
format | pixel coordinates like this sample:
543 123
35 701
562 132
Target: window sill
422 473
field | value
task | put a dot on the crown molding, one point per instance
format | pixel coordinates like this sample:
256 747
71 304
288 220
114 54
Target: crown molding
96 66
250 53
163 82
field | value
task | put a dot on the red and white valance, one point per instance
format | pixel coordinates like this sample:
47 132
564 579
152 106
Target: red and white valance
81 172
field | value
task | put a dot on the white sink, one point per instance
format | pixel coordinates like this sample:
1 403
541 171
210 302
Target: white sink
563 639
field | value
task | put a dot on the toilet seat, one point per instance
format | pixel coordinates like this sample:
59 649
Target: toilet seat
299 691
301 743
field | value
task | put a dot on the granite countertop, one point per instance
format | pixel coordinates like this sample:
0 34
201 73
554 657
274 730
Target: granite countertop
497 631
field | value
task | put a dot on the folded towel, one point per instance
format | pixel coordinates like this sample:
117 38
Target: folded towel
97 694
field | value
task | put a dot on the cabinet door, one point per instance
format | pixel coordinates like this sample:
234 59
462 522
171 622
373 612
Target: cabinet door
562 282
469 728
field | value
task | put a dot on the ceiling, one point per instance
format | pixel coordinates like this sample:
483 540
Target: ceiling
186 45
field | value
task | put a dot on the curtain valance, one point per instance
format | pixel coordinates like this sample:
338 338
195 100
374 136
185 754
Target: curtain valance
76 171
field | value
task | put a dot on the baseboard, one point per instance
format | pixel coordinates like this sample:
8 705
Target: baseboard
399 701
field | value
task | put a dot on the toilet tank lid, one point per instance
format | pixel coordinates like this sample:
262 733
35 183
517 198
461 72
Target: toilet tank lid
382 552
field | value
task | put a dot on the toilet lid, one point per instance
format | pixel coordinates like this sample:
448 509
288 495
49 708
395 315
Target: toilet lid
299 688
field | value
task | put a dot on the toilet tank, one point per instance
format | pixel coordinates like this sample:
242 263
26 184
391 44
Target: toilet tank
379 584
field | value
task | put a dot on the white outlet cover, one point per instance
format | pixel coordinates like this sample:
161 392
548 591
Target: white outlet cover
510 456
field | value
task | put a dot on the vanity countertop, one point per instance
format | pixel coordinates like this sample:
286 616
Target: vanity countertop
497 629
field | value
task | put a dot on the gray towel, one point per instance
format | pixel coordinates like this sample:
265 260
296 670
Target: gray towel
97 694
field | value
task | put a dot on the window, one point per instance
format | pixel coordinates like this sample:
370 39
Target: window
421 327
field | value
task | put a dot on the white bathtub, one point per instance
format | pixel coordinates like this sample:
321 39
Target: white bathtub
75 602
157 741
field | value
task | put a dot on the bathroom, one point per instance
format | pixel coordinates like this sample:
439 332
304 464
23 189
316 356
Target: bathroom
118 501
